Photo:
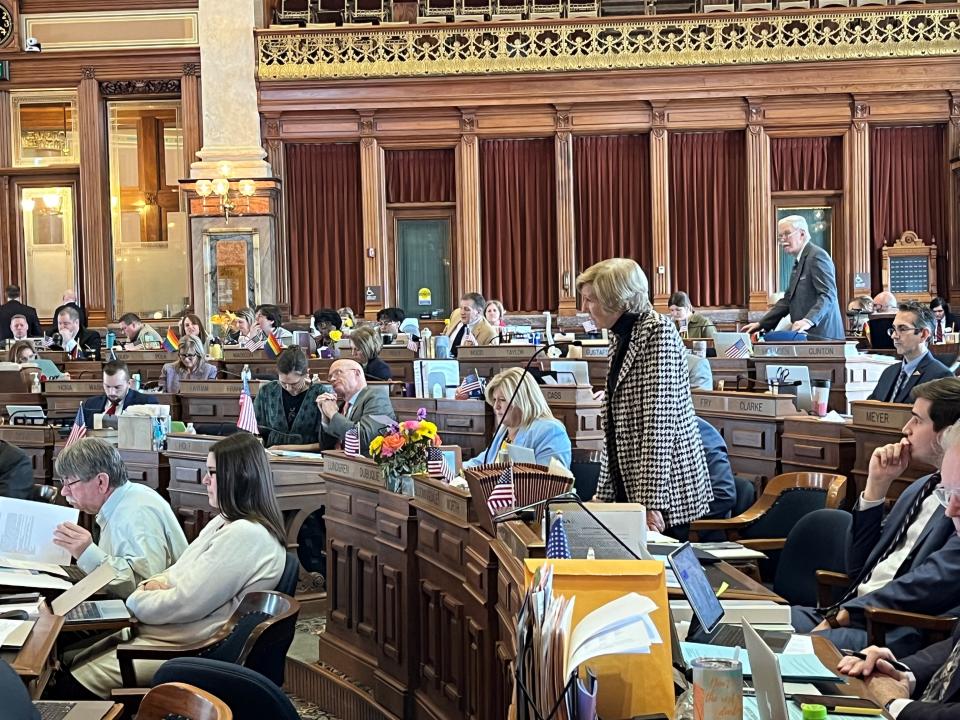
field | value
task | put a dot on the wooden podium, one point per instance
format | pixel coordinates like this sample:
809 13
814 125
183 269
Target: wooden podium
751 425
875 424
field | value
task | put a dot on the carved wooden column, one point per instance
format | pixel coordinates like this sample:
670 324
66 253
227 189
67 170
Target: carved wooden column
9 239
762 261
374 214
275 158
467 276
856 193
660 209
192 117
566 233
6 142
95 250
953 199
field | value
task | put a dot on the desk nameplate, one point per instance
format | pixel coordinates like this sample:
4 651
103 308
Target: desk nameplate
806 350
569 395
522 541
348 467
73 387
141 356
444 498
493 353
201 388
594 351
745 404
880 415
28 436
189 444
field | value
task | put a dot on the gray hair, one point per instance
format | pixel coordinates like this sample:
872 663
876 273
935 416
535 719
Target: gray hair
951 437
90 457
797 222
367 341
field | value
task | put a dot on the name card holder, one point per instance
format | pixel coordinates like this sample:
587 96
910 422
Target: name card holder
217 388
810 350
523 540
73 387
353 468
569 395
444 498
184 444
757 405
880 415
140 356
495 353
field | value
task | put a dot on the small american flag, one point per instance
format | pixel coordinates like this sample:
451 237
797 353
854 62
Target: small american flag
471 384
437 465
738 350
256 343
502 496
79 429
557 546
351 442
47 341
248 418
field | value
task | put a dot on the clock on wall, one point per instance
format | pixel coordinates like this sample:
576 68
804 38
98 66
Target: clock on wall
6 25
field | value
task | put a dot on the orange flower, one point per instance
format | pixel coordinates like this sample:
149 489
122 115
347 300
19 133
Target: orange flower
392 444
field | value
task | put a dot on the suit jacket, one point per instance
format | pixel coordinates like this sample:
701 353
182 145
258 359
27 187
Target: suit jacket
98 404
16 472
812 294
15 307
721 473
924 665
90 343
377 369
650 418
929 369
83 315
370 401
483 331
272 419
926 582
17 704
547 438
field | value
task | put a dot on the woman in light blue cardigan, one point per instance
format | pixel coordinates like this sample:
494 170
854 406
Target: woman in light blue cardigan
529 422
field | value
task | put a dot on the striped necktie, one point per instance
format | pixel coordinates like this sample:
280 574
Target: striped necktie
937 688
901 379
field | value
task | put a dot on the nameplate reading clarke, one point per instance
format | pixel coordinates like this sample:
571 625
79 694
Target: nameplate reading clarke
752 404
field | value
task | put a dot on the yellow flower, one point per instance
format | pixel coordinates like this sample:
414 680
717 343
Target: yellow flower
375 444
336 335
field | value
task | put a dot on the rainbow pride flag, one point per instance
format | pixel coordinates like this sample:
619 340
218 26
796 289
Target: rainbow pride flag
171 343
272 346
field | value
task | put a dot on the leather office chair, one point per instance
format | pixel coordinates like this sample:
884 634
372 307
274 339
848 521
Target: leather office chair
257 635
746 495
585 466
291 574
250 694
816 542
180 700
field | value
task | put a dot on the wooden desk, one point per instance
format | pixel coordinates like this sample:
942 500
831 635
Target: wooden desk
84 369
36 660
580 413
730 371
875 424
213 401
234 359
20 398
321 367
467 423
400 360
148 363
149 468
751 424
809 444
37 442
65 396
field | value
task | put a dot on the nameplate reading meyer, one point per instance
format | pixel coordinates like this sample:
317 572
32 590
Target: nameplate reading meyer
880 415
810 350
350 467
757 405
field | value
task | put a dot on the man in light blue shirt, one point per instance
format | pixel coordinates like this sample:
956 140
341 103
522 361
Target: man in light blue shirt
139 534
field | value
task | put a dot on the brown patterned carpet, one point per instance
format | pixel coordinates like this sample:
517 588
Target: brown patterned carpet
304 647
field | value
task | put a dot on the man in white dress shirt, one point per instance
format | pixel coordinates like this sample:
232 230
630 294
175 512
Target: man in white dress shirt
139 534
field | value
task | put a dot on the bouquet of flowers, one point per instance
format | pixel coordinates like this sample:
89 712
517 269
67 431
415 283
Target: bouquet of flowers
402 451
224 321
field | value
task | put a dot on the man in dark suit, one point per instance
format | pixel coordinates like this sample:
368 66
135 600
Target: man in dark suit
909 560
811 297
911 332
69 300
77 341
12 307
352 404
16 472
118 395
17 704
931 688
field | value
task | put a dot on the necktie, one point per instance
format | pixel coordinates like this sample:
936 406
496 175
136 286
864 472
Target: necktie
940 681
939 335
901 379
898 537
112 410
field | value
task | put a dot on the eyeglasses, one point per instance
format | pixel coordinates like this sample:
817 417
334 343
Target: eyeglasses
944 494
184 356
903 330
64 484
337 373
783 236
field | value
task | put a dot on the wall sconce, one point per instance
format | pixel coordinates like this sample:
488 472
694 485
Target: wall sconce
50 204
227 192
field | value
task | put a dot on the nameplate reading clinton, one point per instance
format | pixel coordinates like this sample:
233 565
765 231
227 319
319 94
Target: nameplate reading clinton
809 349
880 415
85 387
351 467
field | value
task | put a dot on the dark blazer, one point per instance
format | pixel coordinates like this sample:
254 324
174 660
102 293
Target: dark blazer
94 405
377 369
926 582
83 315
721 474
370 401
812 294
16 472
15 307
924 665
17 704
929 369
272 420
90 343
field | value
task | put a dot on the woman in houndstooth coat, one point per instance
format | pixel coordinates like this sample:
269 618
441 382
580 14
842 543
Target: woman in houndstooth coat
653 453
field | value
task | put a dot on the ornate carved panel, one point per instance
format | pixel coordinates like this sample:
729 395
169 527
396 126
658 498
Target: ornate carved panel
339 583
113 88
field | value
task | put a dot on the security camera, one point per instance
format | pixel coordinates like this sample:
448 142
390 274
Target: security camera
32 45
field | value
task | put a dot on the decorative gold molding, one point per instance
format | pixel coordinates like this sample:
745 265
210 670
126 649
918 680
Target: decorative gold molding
601 44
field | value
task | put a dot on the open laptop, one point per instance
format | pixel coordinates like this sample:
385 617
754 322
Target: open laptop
73 709
707 610
767 681
73 605
25 411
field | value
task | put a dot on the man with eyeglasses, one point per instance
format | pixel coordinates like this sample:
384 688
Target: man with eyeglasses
139 534
811 296
352 404
910 559
911 332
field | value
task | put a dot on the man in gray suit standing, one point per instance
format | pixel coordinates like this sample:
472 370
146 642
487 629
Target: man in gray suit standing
811 297
353 404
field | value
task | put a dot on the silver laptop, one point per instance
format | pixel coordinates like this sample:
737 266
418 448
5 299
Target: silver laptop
73 709
25 411
767 681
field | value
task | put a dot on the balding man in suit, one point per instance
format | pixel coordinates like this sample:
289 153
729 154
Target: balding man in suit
352 405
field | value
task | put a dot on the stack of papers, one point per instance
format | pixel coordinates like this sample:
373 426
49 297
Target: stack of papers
13 633
26 530
795 667
729 551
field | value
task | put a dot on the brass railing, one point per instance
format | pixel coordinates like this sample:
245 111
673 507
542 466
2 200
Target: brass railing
616 43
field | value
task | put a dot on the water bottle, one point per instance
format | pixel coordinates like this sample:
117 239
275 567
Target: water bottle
35 383
136 381
245 374
159 435
191 430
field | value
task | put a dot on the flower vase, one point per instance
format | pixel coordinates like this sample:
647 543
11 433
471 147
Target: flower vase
397 481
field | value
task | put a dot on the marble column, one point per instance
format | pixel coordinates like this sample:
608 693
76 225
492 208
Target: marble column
760 241
660 210
468 277
566 232
231 122
856 192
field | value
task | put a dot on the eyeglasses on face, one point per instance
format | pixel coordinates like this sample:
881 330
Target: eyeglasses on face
944 494
783 236
903 330
64 484
184 356
338 373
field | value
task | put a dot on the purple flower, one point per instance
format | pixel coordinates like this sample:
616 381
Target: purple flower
422 414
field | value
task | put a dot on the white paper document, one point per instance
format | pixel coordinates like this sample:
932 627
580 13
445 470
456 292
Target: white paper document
93 582
52 568
13 633
26 530
12 577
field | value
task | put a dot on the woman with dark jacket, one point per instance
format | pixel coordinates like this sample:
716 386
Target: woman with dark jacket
367 344
654 454
286 408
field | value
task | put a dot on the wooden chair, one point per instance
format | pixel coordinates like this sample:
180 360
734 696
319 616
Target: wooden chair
182 701
294 11
784 500
257 635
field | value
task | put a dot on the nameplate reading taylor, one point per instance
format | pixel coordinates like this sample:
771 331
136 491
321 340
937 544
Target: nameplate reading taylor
492 353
